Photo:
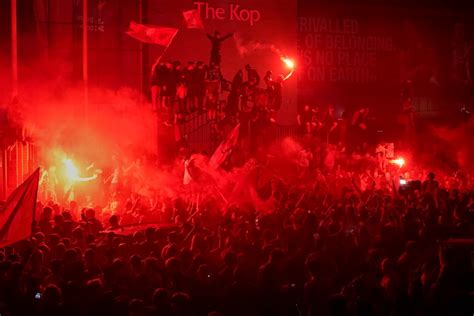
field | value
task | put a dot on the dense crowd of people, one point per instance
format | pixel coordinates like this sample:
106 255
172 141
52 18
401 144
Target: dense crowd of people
322 225
339 238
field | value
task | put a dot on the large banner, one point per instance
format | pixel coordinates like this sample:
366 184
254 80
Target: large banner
262 32
355 57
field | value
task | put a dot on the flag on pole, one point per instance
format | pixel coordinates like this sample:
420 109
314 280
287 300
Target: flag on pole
225 148
187 178
250 183
152 34
193 19
16 218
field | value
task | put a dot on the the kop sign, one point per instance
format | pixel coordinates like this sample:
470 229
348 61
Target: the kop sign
232 12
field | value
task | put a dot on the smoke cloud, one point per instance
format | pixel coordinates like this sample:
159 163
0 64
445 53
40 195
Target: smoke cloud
246 48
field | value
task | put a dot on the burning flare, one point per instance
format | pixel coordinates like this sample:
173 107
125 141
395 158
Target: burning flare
290 64
399 161
72 173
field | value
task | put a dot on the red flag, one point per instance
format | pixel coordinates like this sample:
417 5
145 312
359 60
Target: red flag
16 218
245 191
225 148
193 19
152 34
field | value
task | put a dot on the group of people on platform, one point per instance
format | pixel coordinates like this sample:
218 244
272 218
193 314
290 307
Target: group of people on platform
179 90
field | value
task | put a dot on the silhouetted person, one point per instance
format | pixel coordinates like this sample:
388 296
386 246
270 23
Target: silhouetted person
252 75
430 185
235 92
199 84
216 41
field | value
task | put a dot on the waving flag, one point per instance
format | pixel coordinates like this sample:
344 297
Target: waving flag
16 218
152 34
248 188
225 148
193 19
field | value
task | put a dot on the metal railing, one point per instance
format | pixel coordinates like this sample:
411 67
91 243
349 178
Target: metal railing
19 161
198 133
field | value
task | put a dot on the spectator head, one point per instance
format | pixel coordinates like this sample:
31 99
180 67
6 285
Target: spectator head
152 265
52 295
161 299
94 288
150 234
181 304
47 212
67 216
114 221
73 206
314 264
53 240
89 255
90 213
138 237
78 233
66 242
37 257
44 249
70 255
39 237
58 219
136 307
173 265
135 261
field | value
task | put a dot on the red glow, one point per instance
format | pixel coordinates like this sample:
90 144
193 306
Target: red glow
288 62
399 161
72 173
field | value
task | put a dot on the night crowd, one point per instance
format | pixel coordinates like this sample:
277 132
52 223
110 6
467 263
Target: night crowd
332 228
343 237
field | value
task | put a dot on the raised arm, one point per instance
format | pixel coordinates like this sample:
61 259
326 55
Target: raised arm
227 36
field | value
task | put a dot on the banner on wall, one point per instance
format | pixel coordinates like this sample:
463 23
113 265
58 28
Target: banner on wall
354 59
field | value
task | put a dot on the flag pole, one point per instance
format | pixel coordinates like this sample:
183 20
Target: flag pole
33 222
14 49
4 174
85 59
142 81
